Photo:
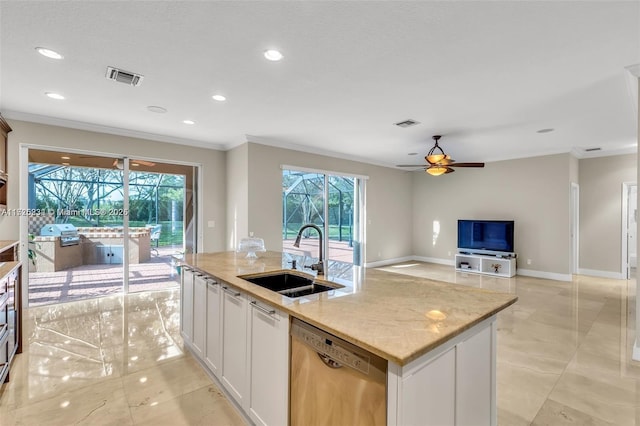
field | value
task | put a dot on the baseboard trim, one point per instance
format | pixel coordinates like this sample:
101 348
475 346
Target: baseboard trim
439 261
602 274
542 274
388 262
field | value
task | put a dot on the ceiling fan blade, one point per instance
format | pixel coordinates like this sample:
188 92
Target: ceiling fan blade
411 165
466 165
449 170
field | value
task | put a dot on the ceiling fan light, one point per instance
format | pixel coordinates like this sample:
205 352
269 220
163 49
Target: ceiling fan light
436 171
435 158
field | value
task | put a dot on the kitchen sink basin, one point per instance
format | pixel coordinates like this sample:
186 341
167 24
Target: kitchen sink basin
289 284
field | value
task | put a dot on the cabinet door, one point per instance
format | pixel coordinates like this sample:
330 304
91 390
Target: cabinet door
268 365
213 347
186 307
199 314
475 389
428 394
234 343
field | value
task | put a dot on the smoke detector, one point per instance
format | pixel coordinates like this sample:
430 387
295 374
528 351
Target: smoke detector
125 77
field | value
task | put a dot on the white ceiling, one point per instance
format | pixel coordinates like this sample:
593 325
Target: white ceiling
486 75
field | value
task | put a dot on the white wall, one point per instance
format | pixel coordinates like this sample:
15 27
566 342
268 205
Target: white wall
212 161
601 211
237 195
534 192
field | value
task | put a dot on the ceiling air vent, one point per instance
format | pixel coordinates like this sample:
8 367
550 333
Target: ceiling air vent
592 149
125 77
407 123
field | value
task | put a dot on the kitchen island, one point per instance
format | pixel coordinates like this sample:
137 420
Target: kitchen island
438 338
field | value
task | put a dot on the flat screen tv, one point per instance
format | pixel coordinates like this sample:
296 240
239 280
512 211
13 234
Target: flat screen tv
485 236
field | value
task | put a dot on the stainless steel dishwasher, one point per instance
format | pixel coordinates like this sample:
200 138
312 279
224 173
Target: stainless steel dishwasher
334 382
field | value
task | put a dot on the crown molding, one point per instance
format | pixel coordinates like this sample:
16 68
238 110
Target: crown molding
91 127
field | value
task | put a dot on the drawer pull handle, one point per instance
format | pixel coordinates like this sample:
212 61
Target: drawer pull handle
232 292
265 310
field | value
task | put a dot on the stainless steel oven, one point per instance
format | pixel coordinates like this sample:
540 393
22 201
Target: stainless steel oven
334 382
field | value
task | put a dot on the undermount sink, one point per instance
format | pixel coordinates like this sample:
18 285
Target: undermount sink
289 284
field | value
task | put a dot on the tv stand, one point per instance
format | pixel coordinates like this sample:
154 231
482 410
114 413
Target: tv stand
486 264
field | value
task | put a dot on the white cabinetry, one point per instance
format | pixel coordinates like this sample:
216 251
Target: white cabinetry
453 384
243 342
213 347
186 306
199 313
475 386
234 343
268 365
481 264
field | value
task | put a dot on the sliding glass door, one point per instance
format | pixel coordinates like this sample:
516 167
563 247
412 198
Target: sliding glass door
101 225
158 205
330 201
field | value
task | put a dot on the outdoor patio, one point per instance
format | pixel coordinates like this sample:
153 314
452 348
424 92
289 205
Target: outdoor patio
88 281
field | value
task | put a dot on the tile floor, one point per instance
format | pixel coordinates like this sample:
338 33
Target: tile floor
116 360
564 348
564 358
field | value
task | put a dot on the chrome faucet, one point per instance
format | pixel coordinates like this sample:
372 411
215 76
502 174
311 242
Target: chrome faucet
316 266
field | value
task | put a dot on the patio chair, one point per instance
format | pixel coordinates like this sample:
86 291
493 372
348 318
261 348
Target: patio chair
155 236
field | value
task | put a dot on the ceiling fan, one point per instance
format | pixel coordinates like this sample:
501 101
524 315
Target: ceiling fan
439 163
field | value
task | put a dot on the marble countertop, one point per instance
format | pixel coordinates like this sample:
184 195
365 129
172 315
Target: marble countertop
5 244
7 267
398 317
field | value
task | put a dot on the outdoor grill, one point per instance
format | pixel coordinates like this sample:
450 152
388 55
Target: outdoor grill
68 233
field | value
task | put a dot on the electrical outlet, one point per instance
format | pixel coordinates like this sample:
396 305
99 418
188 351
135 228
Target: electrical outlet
528 261
211 223
449 253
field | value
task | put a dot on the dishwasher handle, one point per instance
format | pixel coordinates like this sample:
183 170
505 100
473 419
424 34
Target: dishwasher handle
328 361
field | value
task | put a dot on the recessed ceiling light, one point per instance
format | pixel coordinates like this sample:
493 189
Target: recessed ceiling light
64 157
56 96
65 164
273 55
158 109
219 98
49 53
135 164
188 122
545 130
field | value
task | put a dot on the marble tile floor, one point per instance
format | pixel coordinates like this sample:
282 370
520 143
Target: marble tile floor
564 358
564 348
116 360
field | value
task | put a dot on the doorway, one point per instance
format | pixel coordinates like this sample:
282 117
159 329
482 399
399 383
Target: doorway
101 225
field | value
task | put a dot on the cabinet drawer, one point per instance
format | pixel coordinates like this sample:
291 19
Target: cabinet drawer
4 357
4 286
4 319
4 350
